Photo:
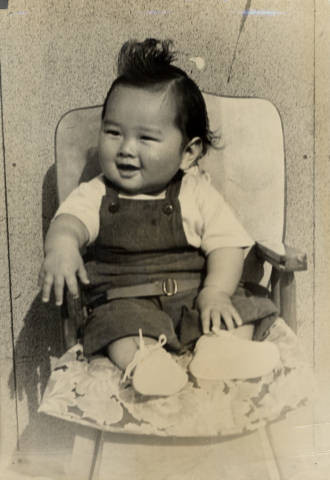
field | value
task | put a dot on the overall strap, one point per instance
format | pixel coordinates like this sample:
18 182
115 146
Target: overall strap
112 192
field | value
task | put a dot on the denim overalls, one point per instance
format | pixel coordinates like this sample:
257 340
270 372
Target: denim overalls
141 241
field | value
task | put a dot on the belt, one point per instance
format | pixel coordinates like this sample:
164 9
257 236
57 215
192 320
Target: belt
167 287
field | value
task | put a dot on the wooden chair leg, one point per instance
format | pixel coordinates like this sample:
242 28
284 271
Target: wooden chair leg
269 455
283 290
288 299
86 454
275 288
97 456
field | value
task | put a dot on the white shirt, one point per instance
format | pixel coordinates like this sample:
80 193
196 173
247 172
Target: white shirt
208 221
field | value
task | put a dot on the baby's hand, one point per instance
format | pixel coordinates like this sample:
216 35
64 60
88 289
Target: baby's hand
60 268
215 306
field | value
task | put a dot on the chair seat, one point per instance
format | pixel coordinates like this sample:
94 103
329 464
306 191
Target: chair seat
91 393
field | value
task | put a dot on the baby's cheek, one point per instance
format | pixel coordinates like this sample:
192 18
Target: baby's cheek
151 162
107 151
107 165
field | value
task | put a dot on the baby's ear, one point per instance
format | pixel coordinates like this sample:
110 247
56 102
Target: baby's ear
191 153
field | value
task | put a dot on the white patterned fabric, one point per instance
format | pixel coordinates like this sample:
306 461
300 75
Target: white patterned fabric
91 393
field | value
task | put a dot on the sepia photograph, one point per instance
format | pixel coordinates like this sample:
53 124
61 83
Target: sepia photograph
164 239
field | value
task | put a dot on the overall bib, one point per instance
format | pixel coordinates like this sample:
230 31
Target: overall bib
141 241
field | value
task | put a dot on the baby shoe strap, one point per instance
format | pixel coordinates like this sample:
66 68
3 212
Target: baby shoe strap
142 353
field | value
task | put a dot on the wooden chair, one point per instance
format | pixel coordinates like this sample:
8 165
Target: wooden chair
249 170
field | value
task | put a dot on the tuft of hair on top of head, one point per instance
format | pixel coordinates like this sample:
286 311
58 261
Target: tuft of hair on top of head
142 61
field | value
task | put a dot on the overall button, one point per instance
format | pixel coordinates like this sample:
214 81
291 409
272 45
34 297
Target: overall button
168 208
113 207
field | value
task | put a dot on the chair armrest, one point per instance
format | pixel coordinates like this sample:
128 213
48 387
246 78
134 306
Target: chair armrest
291 260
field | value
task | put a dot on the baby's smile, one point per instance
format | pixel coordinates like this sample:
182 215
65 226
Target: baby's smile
127 170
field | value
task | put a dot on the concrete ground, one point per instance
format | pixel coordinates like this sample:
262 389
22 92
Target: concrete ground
301 464
313 467
302 446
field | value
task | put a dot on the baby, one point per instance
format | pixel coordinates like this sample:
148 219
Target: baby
168 251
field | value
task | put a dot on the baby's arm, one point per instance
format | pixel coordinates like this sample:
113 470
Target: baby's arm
224 270
63 261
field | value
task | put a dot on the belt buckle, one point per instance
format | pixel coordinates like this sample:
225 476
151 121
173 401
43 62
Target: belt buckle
169 287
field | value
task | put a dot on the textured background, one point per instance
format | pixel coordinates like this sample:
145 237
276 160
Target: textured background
59 55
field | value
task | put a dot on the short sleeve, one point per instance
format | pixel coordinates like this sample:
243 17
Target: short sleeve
208 221
84 203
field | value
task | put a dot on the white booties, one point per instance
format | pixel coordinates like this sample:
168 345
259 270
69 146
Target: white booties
223 356
153 370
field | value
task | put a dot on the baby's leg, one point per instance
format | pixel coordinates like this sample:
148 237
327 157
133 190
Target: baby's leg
122 351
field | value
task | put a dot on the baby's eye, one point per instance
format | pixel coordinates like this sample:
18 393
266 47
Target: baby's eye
148 138
111 131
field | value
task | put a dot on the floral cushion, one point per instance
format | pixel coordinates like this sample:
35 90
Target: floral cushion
91 393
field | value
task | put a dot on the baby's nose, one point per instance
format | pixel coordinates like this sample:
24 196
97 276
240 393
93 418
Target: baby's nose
127 148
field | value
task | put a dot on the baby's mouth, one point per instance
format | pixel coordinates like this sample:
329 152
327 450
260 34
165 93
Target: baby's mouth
128 168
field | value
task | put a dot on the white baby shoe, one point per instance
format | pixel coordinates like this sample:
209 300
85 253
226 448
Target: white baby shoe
223 356
154 372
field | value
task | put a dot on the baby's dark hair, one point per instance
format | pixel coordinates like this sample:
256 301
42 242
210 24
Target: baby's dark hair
148 64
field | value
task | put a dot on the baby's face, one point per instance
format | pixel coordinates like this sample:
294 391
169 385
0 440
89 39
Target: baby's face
140 147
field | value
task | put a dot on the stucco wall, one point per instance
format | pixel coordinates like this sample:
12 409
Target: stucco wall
322 221
8 434
58 55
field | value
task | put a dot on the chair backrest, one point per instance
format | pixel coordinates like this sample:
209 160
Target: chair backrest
248 167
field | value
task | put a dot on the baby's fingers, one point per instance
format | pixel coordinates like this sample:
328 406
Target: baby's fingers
46 281
58 287
72 284
205 319
228 320
231 318
216 320
82 273
237 318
